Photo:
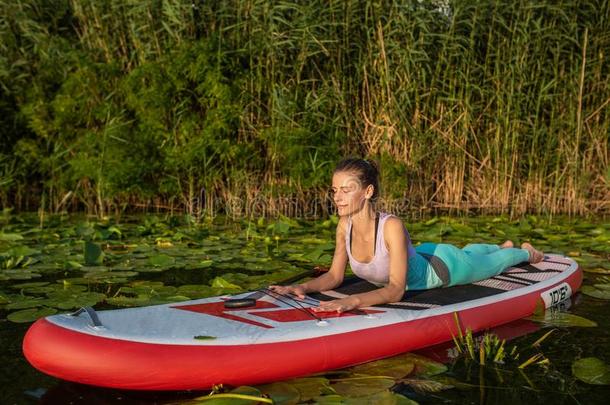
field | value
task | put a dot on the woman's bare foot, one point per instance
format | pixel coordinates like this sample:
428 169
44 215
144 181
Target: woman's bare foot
535 254
507 244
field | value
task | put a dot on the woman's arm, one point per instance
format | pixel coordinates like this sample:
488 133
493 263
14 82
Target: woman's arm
328 280
395 238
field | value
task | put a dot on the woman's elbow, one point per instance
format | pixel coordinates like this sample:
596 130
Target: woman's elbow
396 294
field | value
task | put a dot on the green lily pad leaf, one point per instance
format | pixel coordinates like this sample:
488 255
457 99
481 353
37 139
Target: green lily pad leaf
10 237
23 251
425 367
281 393
94 256
598 270
30 285
593 291
161 260
395 367
205 263
72 298
234 397
26 302
19 274
381 398
30 315
332 399
562 319
220 282
72 265
591 370
358 387
311 387
204 337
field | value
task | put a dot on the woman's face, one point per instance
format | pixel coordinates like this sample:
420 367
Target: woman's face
348 194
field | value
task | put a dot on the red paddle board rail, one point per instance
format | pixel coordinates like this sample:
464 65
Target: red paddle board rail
123 364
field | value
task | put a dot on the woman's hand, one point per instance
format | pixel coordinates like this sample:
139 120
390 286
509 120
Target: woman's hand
297 290
340 305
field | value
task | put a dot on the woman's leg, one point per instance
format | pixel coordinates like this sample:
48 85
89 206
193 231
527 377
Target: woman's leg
480 248
468 266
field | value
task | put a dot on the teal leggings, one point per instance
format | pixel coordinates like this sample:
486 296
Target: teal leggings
474 262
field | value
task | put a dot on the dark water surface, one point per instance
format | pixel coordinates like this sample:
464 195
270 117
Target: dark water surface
175 257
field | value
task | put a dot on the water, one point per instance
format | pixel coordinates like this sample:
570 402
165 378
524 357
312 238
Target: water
173 253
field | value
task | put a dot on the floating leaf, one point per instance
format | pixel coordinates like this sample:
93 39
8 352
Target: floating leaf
591 370
311 387
598 270
381 398
361 386
94 256
74 298
23 302
281 393
331 399
421 366
594 291
30 315
10 237
241 395
19 274
72 265
161 260
222 283
204 337
395 367
30 285
562 319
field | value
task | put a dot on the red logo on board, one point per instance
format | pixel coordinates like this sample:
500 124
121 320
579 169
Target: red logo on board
263 309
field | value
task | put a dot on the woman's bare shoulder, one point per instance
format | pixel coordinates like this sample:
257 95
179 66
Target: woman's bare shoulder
394 229
393 223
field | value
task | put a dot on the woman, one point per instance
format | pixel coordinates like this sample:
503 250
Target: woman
379 249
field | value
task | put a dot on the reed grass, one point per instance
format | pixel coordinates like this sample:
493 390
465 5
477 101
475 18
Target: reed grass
244 106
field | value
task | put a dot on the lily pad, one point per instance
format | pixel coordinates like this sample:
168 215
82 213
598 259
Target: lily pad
594 291
382 398
18 274
311 387
223 283
24 302
395 367
238 396
562 319
21 286
358 387
591 370
281 393
72 265
10 237
30 315
161 260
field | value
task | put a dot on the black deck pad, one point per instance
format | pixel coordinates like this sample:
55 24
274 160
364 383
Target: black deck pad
425 299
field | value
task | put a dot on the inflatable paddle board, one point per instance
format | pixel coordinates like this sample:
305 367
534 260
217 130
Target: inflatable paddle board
197 344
